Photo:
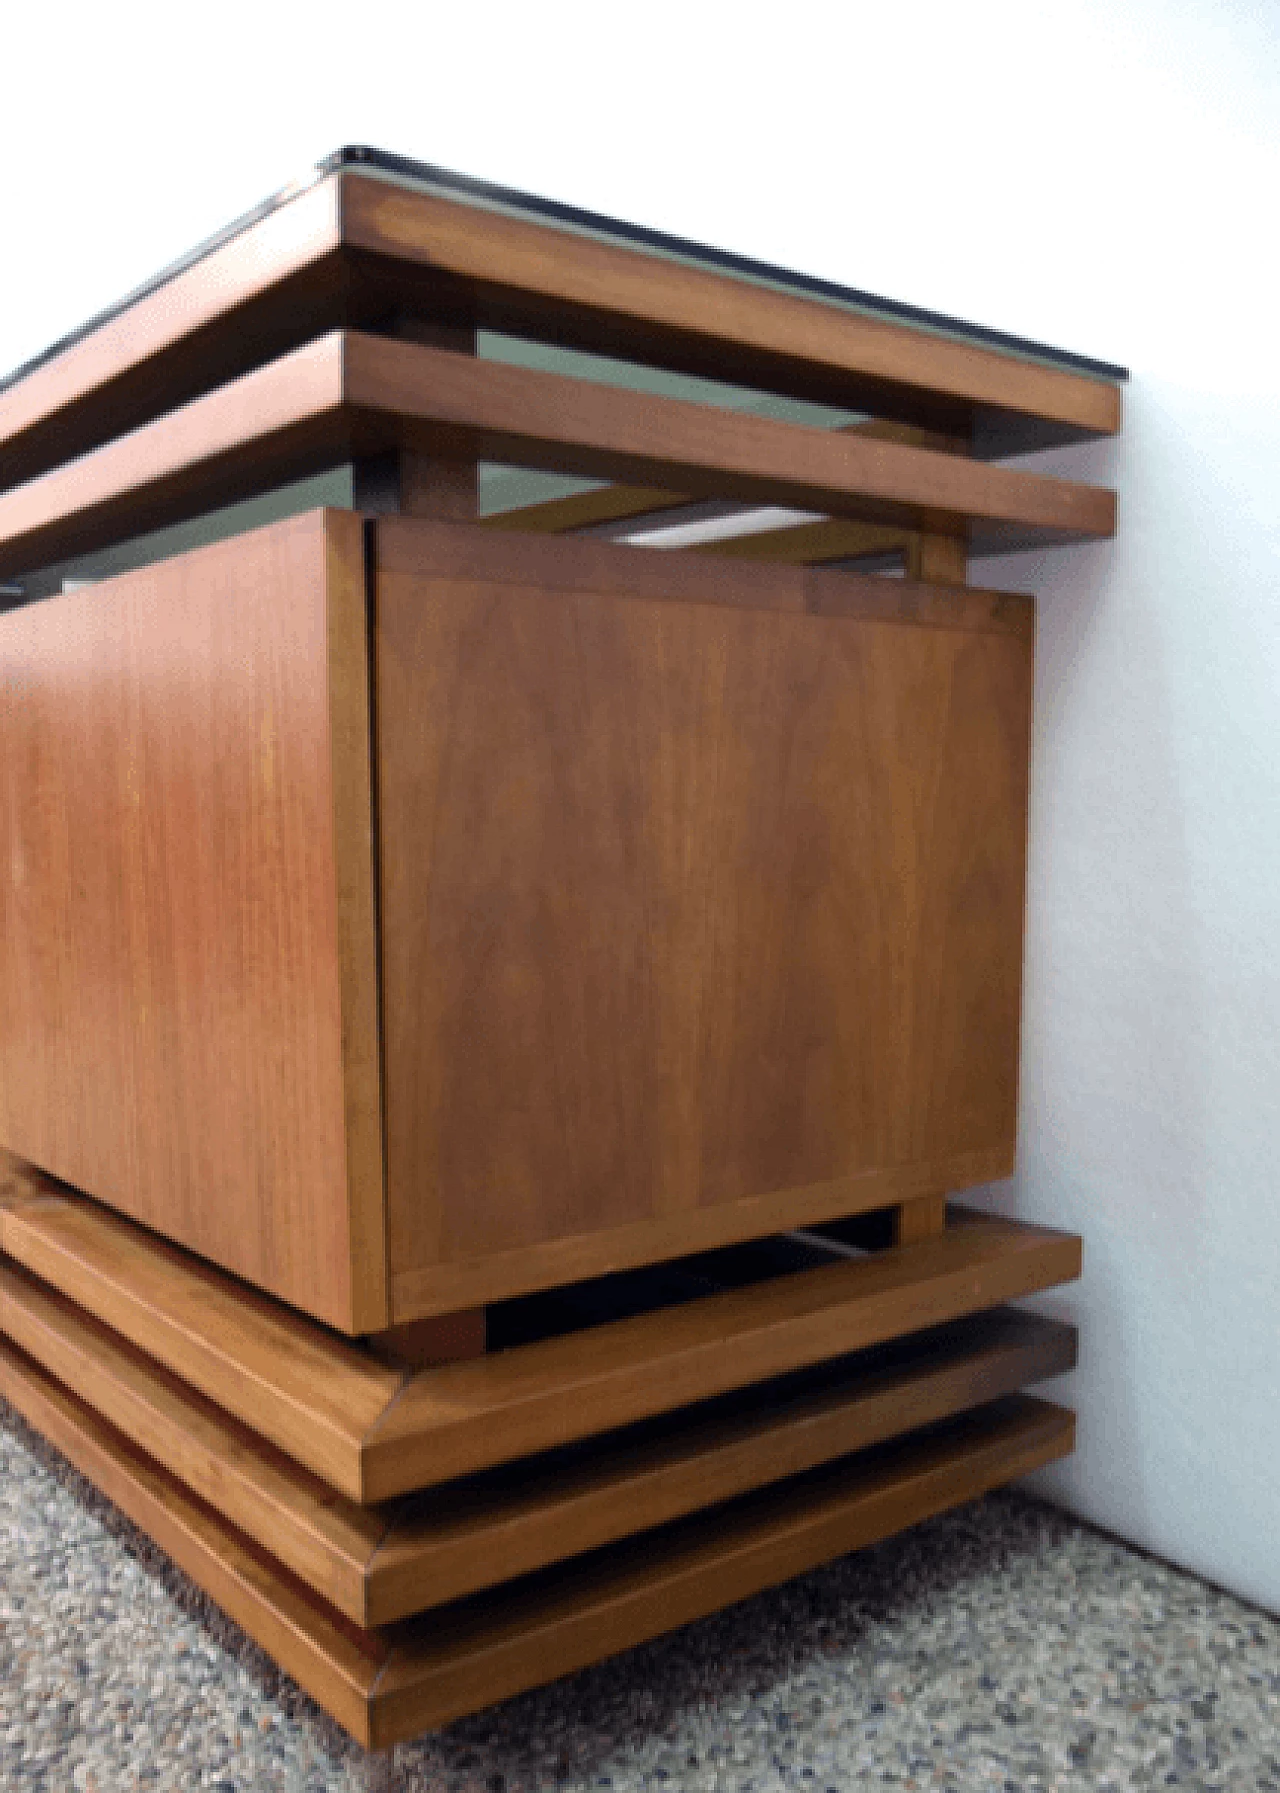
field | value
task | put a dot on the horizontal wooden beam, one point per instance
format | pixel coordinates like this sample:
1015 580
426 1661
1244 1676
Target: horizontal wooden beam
254 297
522 276
352 251
619 504
349 395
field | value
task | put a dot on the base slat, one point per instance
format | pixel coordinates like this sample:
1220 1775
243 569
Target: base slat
380 1565
374 1432
388 1685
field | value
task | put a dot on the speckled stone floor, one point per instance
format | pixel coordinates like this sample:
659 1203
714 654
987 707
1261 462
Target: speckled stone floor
1002 1647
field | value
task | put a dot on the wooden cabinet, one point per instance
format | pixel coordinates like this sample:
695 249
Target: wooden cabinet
687 897
490 1016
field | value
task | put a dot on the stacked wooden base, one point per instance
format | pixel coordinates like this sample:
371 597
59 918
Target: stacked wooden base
413 1545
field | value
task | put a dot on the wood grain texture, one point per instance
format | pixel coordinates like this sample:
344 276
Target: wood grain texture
351 395
186 966
533 418
486 1530
519 275
458 1418
388 1685
305 1388
377 1566
701 912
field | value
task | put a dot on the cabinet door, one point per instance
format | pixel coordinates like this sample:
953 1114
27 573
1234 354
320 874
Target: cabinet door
187 971
701 900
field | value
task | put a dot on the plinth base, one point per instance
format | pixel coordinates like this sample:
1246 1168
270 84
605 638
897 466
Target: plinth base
413 1545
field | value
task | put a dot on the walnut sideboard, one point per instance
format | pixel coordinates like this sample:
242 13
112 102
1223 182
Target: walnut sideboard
512 871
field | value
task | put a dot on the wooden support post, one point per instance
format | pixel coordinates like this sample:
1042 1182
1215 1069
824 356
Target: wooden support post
938 557
445 1338
416 485
922 1218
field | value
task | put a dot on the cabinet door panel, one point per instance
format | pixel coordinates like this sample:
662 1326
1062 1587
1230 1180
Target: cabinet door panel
701 900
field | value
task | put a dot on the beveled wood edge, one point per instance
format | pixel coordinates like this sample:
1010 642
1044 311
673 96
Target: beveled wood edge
375 1433
351 763
378 1566
349 393
312 1392
526 1269
445 1420
338 1664
496 1646
630 1488
327 1541
576 276
387 1686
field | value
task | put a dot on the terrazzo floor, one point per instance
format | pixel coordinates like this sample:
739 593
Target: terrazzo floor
1003 1646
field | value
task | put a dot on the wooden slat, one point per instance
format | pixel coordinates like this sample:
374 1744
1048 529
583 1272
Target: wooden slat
377 1566
458 1418
499 1645
337 1662
310 1391
386 1686
485 1530
325 1540
375 1433
532 418
520 276
360 395
256 296
796 544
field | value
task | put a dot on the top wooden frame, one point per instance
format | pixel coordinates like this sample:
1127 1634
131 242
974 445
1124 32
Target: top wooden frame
355 250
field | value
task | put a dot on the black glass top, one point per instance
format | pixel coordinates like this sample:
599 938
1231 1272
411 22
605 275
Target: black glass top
465 189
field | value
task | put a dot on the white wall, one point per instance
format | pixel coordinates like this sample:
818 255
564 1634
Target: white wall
1100 173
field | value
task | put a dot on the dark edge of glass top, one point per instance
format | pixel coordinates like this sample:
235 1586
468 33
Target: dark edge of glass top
466 187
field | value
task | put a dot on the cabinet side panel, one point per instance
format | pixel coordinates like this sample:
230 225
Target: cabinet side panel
172 1002
699 918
